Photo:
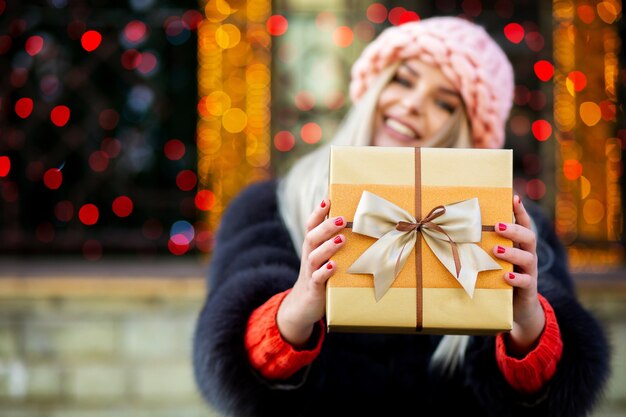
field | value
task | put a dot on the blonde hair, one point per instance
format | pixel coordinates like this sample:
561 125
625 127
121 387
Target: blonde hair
306 184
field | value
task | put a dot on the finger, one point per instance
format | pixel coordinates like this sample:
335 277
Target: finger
323 232
524 237
320 276
525 261
325 251
318 215
519 280
519 211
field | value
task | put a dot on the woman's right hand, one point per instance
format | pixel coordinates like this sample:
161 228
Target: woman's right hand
305 304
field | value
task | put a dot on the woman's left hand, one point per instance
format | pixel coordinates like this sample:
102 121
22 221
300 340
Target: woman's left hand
528 316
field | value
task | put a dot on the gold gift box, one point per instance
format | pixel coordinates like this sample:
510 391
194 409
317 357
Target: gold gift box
445 176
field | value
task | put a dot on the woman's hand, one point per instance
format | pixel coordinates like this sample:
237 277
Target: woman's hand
528 316
305 304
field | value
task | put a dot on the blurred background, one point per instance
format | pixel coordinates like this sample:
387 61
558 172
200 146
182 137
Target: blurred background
127 126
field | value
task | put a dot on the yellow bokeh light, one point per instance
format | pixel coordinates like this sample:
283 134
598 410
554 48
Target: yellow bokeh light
590 113
217 103
234 120
227 36
593 211
217 10
585 187
607 12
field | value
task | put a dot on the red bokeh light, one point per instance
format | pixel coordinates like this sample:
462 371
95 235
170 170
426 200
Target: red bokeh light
407 17
135 31
186 180
5 166
395 14
343 36
147 63
64 211
89 214
514 32
34 44
284 141
572 169
311 133
205 200
111 146
578 80
131 59
122 206
174 149
53 178
60 115
192 19
376 13
99 161
91 40
178 244
542 130
24 107
535 189
608 110
277 25
586 13
544 70
305 100
108 119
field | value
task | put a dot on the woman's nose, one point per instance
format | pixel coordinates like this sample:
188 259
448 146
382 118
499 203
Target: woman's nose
413 99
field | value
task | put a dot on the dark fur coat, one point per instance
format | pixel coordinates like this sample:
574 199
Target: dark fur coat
370 374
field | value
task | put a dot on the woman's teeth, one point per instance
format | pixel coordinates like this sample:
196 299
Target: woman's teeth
400 128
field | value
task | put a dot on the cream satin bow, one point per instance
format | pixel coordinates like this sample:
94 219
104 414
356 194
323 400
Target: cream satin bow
446 229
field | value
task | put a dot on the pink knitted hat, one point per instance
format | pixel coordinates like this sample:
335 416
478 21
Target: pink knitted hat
467 56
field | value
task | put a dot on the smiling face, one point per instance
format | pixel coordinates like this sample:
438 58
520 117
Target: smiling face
415 105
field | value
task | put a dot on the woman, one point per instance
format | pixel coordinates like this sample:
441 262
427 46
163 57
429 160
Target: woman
260 345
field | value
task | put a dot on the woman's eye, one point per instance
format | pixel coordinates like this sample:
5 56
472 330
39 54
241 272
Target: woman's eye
446 106
402 81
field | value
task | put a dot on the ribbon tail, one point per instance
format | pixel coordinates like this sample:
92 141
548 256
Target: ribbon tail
386 256
473 260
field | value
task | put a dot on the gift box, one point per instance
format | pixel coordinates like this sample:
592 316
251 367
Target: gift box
420 234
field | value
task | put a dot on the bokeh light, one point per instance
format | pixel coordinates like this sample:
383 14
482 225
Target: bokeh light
205 200
34 44
343 36
5 166
376 13
122 206
284 141
542 130
544 70
590 113
186 180
572 169
60 115
88 214
174 149
53 178
311 133
277 25
514 32
91 40
24 107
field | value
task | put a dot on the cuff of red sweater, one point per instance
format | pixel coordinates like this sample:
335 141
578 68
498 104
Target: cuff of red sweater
272 356
529 374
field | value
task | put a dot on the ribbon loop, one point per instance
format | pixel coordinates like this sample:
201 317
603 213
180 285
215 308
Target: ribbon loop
450 231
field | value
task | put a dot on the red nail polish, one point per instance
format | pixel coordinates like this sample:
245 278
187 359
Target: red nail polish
338 221
329 266
501 226
338 240
500 249
323 204
511 275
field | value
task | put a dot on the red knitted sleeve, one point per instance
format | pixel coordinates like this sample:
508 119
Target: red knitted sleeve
529 374
268 352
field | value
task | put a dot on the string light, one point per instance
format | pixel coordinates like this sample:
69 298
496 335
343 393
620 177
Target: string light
588 199
233 127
